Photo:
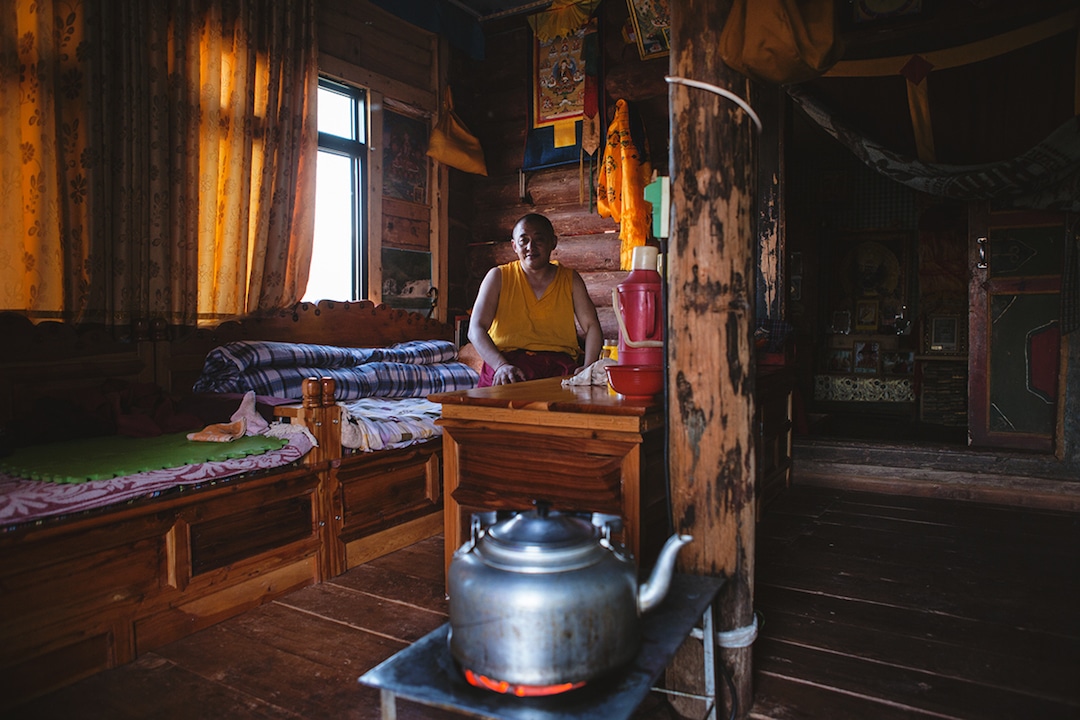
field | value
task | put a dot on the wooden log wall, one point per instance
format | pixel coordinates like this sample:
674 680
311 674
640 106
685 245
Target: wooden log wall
492 96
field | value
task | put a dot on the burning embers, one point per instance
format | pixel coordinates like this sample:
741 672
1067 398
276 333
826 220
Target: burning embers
505 688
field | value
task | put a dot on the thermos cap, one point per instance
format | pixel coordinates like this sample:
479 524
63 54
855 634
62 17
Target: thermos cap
644 257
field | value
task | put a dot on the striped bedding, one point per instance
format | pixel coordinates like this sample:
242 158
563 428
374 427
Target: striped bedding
416 368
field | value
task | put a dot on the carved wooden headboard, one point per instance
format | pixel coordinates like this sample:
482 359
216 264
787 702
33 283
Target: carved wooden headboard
41 363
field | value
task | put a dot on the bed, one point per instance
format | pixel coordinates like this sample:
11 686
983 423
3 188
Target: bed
84 588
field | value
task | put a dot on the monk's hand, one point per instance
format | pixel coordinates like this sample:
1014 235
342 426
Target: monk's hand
507 373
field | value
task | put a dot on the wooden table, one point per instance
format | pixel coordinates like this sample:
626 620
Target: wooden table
581 448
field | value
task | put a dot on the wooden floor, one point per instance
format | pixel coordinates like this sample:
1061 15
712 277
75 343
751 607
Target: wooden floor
872 607
882 606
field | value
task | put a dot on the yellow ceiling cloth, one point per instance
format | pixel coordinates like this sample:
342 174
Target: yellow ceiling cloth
620 187
781 41
563 18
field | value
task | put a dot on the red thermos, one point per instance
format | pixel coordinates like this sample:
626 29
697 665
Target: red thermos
639 310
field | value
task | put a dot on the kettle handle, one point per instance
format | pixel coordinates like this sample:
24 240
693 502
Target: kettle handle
627 340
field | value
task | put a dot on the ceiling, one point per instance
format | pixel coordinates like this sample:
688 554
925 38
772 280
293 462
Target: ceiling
490 9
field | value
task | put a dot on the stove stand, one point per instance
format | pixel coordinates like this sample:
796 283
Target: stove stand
426 673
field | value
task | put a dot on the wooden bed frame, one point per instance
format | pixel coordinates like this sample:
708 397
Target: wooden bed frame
95 590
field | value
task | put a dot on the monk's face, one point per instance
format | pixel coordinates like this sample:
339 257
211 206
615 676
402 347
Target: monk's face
533 244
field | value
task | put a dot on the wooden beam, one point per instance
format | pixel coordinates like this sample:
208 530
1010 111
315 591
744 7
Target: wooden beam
710 323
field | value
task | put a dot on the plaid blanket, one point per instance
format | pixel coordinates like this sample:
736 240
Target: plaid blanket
411 369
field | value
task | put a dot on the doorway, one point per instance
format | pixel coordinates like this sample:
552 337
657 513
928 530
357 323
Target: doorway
880 304
1017 365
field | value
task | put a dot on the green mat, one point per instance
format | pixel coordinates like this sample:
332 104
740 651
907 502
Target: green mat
77 461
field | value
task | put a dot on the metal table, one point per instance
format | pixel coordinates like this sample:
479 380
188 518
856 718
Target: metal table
426 673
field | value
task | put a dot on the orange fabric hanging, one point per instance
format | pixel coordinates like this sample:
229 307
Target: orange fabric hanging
620 191
781 41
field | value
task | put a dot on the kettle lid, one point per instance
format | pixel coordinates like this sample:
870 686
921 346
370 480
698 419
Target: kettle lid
541 540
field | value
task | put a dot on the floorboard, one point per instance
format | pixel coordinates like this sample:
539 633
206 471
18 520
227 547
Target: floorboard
872 606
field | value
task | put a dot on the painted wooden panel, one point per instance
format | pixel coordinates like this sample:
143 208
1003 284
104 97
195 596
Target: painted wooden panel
1025 350
406 225
1015 392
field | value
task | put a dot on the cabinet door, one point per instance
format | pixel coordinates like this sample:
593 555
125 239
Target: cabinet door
1014 388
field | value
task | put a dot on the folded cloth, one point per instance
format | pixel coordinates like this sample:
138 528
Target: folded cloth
594 374
220 432
255 423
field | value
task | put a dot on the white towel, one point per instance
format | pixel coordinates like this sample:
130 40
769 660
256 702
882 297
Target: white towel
594 374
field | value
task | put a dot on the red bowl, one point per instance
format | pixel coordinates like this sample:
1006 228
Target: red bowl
636 381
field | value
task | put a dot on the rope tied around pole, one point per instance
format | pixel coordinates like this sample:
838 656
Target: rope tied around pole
739 637
719 91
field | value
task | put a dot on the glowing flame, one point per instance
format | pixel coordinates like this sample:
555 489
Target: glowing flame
505 688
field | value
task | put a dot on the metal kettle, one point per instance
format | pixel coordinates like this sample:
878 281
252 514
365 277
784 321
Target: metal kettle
546 599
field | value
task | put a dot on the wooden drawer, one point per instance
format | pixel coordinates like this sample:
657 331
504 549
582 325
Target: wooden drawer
382 490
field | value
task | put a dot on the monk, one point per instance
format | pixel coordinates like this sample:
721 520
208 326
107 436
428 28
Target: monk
523 322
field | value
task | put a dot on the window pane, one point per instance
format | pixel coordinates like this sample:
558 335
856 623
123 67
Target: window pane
332 254
335 114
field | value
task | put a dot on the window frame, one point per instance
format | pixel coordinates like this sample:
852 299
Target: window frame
357 151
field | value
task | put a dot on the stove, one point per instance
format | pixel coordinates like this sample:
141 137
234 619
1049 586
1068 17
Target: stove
426 673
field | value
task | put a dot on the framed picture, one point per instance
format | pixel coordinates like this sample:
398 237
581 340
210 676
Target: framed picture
405 161
945 335
652 24
898 363
838 361
866 358
407 280
841 322
461 330
866 315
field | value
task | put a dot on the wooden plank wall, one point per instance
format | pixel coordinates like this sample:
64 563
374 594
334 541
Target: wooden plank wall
492 96
368 37
398 64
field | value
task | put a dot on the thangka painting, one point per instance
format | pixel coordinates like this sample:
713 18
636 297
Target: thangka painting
405 161
559 78
652 25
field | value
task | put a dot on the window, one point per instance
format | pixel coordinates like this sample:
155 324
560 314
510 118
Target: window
338 256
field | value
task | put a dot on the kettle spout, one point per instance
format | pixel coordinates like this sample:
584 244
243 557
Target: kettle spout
656 587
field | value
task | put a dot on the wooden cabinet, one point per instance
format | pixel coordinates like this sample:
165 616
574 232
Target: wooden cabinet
383 501
943 393
92 592
371 502
580 448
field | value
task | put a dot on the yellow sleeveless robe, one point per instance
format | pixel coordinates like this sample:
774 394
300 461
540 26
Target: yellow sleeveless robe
524 322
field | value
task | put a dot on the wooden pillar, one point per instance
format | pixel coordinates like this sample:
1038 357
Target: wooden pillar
710 323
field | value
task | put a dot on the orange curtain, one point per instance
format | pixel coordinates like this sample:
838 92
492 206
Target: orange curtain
257 152
44 152
174 144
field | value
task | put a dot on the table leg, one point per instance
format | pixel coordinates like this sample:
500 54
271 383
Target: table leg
389 705
709 643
